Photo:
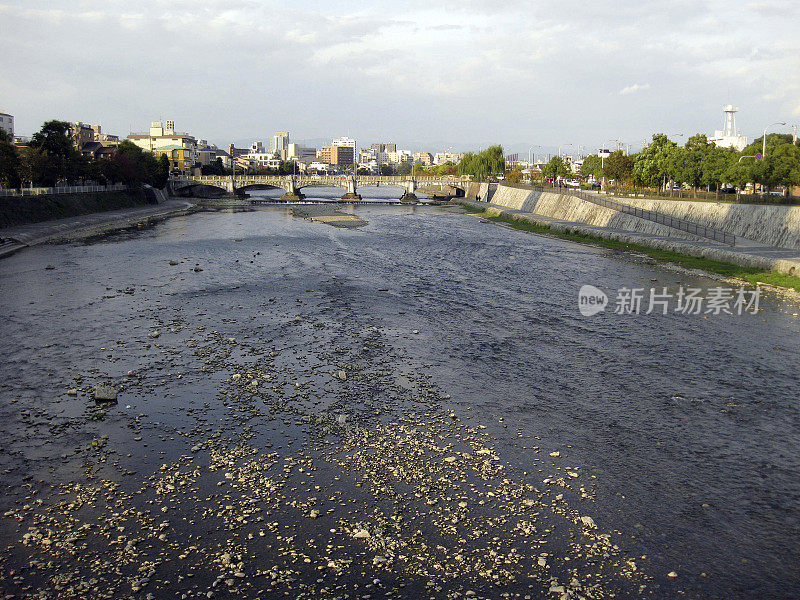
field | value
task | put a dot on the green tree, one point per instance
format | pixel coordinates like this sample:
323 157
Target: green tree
447 168
63 161
403 169
618 166
134 166
9 162
161 174
591 166
555 168
54 139
484 164
652 162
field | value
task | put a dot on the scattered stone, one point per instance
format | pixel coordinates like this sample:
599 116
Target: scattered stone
104 392
672 575
588 522
172 263
555 454
154 334
362 534
72 392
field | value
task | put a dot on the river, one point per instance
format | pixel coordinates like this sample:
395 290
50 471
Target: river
414 408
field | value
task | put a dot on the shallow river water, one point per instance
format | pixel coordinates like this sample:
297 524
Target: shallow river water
414 408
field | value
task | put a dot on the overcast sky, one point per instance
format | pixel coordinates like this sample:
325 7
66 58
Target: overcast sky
427 75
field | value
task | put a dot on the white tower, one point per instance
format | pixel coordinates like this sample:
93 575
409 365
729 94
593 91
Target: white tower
730 121
729 137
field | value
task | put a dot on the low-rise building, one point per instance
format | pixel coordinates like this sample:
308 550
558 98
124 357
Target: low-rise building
444 157
423 158
180 148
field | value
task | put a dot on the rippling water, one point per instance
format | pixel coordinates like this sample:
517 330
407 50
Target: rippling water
688 425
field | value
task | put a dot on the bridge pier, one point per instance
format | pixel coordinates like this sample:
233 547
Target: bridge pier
293 193
351 193
408 195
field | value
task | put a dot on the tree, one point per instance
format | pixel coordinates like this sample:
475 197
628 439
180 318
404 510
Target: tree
618 166
134 166
63 161
404 169
54 139
779 167
485 163
555 168
387 170
161 174
9 162
447 168
513 177
651 164
591 166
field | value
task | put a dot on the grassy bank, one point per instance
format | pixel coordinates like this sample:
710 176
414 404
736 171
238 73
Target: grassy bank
15 210
750 274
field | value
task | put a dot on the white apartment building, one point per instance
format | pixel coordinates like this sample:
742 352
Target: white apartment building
7 124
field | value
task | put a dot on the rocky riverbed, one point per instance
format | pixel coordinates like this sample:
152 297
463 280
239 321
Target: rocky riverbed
254 405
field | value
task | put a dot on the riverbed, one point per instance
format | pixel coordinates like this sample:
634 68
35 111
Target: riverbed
409 408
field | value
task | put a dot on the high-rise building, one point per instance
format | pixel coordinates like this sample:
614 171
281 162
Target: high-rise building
7 124
279 143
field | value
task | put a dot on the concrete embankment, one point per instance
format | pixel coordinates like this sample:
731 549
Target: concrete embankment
16 210
770 225
767 224
571 208
569 214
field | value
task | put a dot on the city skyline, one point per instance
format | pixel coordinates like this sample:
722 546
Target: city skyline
463 76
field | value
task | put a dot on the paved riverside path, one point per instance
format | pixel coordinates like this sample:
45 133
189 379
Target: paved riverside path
746 252
20 236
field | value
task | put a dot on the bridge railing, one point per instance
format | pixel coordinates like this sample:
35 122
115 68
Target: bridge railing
64 189
649 215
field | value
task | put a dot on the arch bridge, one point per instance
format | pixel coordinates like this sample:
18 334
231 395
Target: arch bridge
293 184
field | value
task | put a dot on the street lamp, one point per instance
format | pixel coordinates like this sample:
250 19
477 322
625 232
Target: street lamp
603 161
565 145
764 139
